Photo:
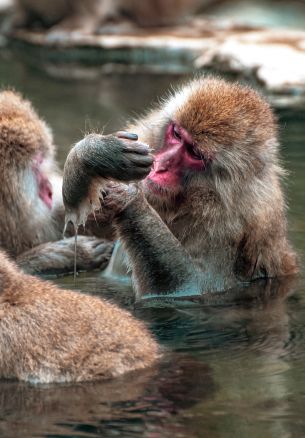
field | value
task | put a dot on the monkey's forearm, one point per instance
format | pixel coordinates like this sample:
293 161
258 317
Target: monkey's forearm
98 225
160 264
58 257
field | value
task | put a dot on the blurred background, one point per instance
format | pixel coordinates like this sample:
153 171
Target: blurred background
91 65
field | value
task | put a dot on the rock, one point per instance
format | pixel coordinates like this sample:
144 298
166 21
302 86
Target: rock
276 58
5 5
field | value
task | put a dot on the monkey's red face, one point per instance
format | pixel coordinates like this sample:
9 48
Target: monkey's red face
179 156
44 186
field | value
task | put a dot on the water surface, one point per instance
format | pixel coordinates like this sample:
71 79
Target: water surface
232 370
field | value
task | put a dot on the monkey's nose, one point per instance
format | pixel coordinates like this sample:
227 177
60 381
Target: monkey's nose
164 165
162 168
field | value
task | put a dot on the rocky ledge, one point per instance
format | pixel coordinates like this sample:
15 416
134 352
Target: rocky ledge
274 58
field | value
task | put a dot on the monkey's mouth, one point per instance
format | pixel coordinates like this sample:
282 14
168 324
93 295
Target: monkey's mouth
153 188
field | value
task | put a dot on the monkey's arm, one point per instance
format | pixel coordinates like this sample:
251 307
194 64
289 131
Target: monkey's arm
160 265
58 257
93 161
159 262
98 225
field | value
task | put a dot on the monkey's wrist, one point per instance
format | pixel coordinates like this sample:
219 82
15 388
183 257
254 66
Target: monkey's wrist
118 197
133 207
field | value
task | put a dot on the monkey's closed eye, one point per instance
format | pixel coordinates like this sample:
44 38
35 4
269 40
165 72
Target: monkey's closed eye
176 133
193 152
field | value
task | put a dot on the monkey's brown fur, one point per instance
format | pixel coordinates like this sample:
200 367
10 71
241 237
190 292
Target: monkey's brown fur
71 15
24 223
53 335
23 133
27 225
159 12
231 219
215 184
231 216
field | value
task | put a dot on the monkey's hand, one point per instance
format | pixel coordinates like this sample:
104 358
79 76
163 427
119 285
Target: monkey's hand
55 258
118 196
95 159
118 157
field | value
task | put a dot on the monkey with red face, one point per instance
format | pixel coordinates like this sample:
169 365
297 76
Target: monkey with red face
211 214
32 215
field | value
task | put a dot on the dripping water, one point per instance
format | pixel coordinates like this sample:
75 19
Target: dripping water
68 220
75 253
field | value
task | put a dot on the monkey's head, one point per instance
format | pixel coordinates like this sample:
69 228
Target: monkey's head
26 149
26 166
210 134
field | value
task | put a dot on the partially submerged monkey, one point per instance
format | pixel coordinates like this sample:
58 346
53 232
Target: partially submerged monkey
53 335
32 216
211 214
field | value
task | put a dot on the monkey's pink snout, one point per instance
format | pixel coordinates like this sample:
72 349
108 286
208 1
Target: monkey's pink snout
160 166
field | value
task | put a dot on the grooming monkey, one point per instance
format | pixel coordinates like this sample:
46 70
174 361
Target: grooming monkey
210 215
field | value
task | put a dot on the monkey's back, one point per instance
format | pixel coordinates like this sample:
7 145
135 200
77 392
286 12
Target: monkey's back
51 335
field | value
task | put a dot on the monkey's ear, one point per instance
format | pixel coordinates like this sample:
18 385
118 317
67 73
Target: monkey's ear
249 264
22 132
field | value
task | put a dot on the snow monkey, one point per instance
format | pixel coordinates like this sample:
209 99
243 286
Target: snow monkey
32 218
87 16
52 335
210 215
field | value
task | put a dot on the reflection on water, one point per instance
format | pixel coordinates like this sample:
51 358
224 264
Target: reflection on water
230 370
126 405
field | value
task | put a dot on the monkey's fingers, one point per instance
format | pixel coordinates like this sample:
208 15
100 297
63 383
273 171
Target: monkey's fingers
126 135
141 160
140 173
134 174
137 148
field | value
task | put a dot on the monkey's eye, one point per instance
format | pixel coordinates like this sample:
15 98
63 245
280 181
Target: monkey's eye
176 133
193 152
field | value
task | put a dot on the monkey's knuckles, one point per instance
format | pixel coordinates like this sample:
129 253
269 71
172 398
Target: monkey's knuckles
93 253
137 166
119 196
103 254
136 147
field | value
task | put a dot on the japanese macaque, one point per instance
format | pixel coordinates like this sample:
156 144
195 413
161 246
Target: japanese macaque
210 215
87 16
53 335
30 196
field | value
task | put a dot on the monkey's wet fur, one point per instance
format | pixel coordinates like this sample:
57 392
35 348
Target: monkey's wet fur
53 335
206 214
210 214
32 213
